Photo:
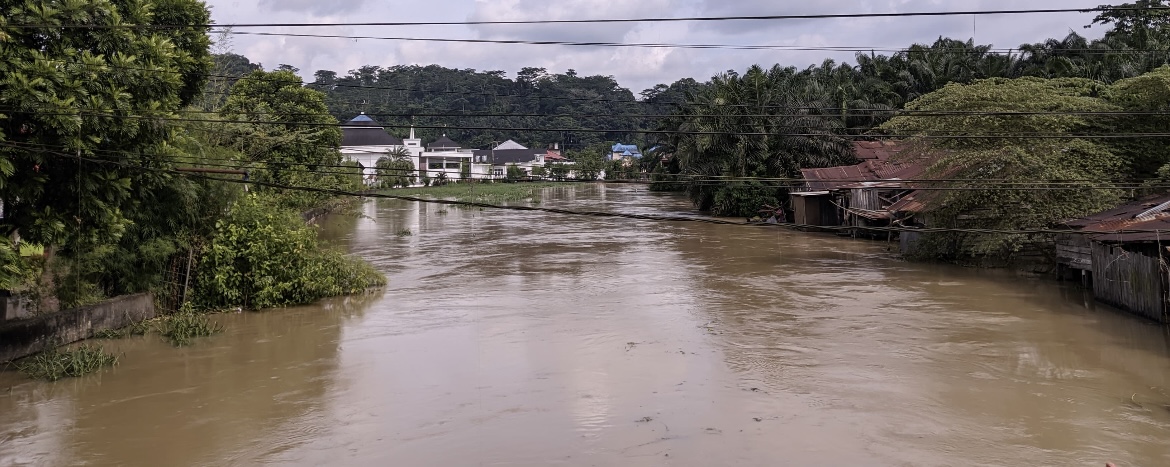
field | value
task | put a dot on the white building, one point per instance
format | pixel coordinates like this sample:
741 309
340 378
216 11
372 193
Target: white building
364 141
495 162
445 157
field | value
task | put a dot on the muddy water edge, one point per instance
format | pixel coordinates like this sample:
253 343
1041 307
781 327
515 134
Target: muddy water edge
530 339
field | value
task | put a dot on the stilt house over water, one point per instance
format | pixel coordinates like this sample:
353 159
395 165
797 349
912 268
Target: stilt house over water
1123 254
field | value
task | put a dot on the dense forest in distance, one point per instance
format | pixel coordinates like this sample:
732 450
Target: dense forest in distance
401 95
537 99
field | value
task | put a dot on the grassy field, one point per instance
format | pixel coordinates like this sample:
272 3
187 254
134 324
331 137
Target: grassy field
482 192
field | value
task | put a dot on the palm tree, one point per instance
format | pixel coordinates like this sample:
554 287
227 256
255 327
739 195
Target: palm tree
764 123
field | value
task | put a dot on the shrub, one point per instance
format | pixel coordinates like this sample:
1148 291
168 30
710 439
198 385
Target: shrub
58 364
265 257
179 329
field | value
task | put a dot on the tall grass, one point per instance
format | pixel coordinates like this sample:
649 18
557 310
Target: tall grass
181 328
140 328
58 364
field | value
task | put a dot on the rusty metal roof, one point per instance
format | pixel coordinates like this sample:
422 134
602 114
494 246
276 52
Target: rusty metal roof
1150 215
878 164
876 150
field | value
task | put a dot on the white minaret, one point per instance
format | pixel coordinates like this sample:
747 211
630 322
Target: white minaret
415 147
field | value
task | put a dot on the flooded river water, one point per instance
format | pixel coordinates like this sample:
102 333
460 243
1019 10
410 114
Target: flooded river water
530 339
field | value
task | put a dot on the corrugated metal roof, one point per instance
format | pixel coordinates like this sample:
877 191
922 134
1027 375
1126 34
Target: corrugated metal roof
878 164
876 150
1150 214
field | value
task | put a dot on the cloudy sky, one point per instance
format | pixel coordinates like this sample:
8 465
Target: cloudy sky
635 68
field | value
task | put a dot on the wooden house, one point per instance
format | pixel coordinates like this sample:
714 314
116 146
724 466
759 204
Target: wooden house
857 195
1123 253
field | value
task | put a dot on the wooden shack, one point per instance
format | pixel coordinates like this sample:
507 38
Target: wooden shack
815 208
1123 254
859 194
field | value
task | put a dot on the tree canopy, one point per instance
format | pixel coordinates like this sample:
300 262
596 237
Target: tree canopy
757 125
1001 153
75 95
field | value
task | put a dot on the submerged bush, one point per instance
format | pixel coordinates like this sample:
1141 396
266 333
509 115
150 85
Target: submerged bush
140 328
179 329
58 364
264 257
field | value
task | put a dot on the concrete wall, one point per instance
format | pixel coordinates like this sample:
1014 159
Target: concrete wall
22 338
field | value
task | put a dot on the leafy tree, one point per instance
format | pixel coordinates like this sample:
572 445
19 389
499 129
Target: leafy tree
751 126
396 170
1003 154
291 137
87 109
1148 96
265 256
515 173
1138 21
589 164
558 171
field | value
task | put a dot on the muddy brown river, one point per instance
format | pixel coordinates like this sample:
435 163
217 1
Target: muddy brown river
530 339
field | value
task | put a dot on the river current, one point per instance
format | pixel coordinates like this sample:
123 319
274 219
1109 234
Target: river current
530 339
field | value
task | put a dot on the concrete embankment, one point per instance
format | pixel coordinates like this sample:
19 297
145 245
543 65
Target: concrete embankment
26 337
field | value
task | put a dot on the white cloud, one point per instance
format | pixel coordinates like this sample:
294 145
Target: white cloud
317 7
633 67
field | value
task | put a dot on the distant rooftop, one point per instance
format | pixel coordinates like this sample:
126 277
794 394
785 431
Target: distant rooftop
626 149
444 143
363 120
364 131
509 144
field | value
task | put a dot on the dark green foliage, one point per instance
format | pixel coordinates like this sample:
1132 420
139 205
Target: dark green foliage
1148 93
753 125
1086 162
515 173
181 328
288 154
744 199
622 170
56 83
588 164
263 256
558 171
387 93
57 364
395 170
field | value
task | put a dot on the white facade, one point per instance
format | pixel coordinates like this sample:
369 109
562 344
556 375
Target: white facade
364 142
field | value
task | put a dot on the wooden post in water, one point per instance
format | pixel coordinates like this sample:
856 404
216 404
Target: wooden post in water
187 277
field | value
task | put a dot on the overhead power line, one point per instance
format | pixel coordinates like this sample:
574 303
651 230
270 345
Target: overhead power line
829 132
342 84
791 48
827 112
923 184
601 214
611 20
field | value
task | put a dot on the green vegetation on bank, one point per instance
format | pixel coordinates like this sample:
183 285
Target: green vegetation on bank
181 328
90 144
263 257
481 192
59 364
